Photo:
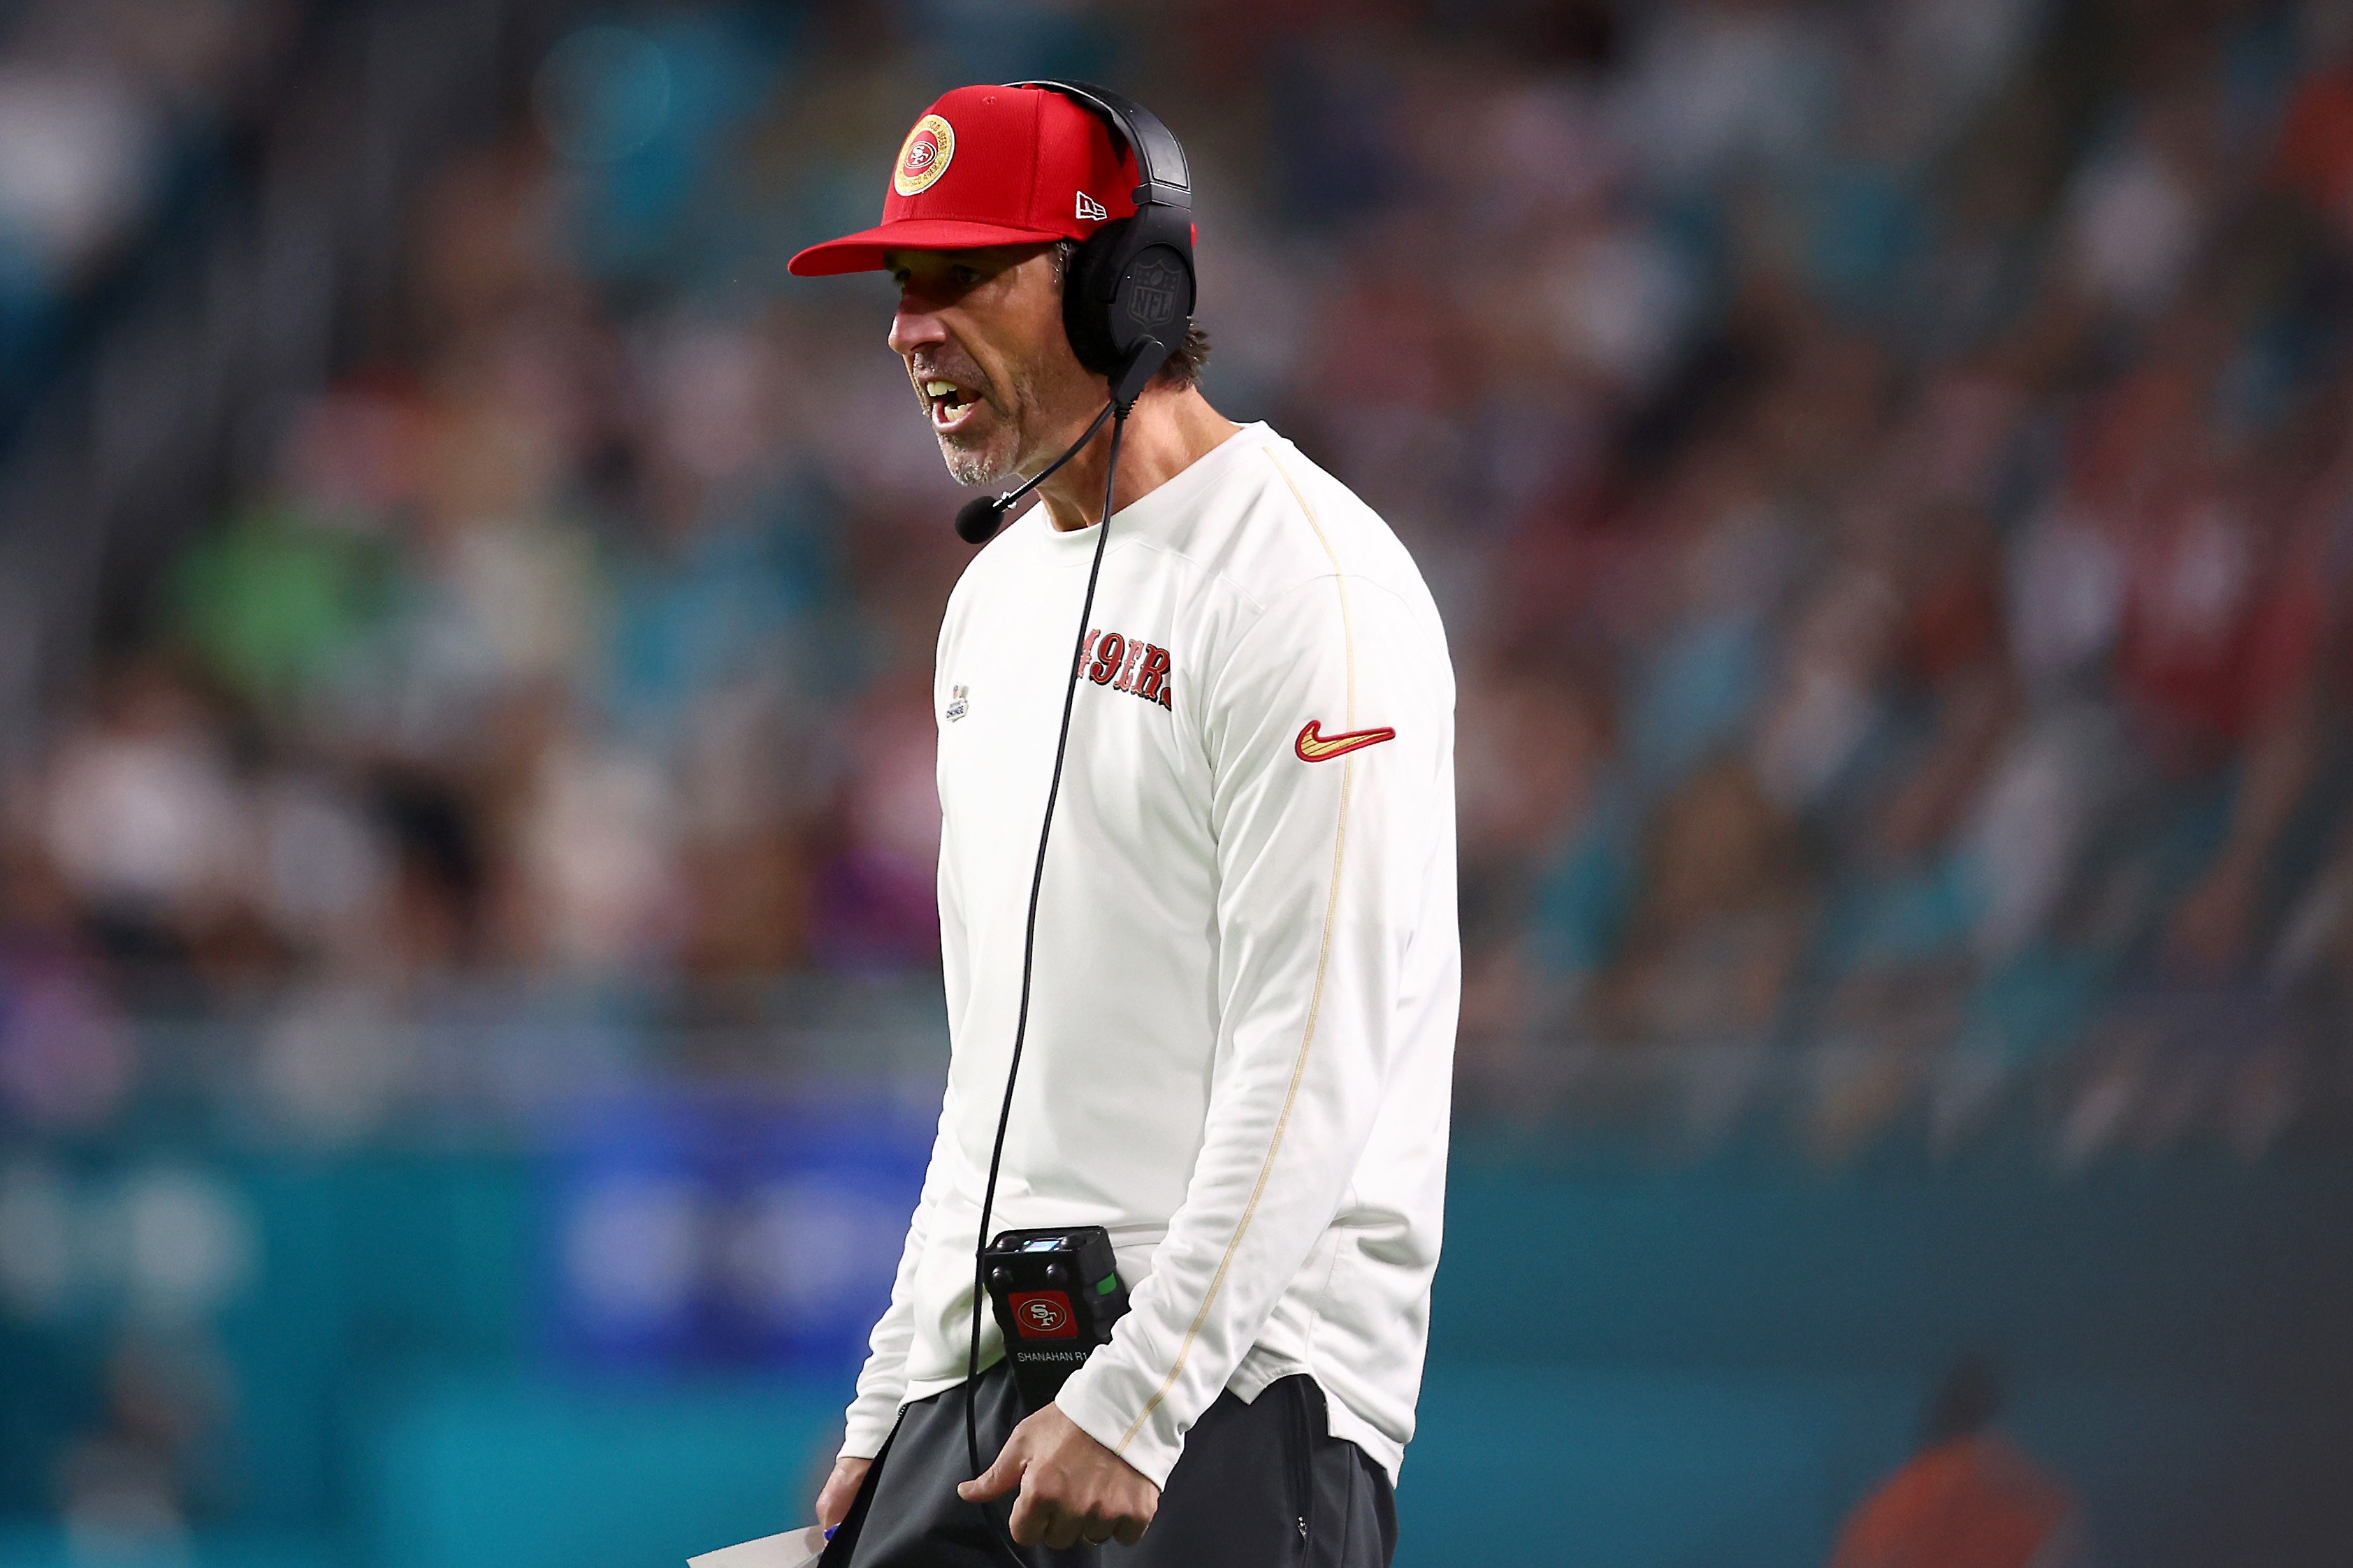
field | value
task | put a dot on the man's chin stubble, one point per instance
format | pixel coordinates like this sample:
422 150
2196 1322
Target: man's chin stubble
975 466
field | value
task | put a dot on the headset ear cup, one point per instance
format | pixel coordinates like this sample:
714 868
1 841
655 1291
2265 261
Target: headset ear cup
1088 288
1129 288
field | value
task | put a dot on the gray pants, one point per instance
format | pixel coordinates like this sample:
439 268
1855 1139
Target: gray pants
1258 1485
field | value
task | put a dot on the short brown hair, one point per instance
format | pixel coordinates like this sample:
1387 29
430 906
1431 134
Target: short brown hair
1183 369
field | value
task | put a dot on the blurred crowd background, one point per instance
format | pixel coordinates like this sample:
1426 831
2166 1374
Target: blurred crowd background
465 621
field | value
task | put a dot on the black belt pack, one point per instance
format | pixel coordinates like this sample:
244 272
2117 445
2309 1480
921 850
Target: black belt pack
1056 1294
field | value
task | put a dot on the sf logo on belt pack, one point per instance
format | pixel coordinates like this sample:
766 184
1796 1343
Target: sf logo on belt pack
1043 1315
1315 746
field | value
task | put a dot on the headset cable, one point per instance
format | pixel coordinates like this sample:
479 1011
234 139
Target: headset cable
1119 412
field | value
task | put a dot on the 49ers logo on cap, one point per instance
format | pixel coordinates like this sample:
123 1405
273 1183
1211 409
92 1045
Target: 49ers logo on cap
1042 1315
923 157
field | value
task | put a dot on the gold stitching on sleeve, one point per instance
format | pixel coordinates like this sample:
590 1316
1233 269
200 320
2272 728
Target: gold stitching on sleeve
1315 997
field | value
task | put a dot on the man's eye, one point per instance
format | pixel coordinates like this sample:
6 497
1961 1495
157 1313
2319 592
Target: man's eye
967 276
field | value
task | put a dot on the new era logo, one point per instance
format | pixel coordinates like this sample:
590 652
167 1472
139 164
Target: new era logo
1090 209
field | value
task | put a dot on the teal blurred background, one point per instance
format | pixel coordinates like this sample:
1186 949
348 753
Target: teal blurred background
469 1010
1636 1361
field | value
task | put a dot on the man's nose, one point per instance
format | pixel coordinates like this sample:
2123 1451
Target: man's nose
913 327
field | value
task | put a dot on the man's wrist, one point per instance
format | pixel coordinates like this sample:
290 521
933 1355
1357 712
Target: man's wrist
869 1419
1089 1399
863 1433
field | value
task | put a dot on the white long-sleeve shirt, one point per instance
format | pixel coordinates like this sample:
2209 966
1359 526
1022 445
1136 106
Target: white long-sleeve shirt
1241 1028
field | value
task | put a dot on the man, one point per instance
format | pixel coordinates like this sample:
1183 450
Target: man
1967 1499
1240 1034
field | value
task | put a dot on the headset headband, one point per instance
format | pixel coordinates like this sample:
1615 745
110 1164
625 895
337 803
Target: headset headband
1159 156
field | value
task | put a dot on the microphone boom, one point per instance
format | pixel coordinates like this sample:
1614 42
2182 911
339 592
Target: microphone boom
977 521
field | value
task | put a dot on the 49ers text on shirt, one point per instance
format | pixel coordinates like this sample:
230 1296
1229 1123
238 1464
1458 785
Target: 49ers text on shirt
1126 664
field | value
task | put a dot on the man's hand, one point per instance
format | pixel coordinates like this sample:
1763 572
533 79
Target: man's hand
840 1489
1072 1488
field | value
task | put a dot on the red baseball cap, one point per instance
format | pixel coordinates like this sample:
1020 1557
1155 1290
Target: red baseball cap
990 165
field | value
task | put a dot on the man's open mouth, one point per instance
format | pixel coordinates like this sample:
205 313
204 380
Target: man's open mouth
951 403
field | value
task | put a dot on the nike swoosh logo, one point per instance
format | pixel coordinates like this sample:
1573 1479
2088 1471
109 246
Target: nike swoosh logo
1316 746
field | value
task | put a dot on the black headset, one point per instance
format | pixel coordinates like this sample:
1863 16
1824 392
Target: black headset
1129 293
1127 300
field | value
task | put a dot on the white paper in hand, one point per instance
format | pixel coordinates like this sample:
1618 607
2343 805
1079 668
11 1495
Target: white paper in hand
793 1549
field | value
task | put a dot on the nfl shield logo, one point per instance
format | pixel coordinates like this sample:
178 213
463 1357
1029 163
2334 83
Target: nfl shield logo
1154 298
